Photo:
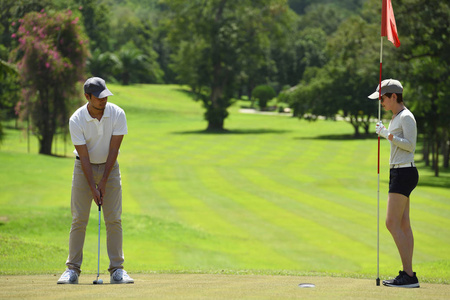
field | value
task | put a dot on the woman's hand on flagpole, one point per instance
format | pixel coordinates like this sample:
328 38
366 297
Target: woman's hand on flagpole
381 130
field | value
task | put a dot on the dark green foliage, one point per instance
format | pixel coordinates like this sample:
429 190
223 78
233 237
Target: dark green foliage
10 89
222 44
132 35
223 49
424 62
96 23
301 6
326 17
104 64
341 86
263 94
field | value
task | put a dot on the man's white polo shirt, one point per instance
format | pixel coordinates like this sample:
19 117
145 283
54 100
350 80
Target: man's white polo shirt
95 134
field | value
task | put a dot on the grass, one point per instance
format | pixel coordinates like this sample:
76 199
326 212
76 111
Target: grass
206 286
273 195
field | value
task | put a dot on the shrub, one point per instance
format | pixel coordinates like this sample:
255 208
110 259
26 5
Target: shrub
263 94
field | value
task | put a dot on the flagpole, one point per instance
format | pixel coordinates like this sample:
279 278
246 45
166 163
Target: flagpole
389 30
378 184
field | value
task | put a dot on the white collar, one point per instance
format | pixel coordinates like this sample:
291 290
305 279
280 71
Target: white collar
89 118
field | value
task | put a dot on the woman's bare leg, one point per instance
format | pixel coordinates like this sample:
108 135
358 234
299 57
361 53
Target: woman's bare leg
398 223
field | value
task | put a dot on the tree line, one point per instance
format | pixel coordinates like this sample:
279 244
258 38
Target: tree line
320 57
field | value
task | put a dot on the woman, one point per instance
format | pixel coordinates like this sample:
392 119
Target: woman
402 134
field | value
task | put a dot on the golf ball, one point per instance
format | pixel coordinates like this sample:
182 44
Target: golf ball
100 281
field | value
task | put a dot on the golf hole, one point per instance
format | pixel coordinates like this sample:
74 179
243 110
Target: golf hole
307 285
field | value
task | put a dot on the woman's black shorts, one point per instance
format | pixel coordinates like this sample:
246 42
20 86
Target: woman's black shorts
403 180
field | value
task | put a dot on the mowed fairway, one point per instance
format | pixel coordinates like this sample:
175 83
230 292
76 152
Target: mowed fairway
272 196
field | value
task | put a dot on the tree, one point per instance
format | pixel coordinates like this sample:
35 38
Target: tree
7 97
306 41
263 94
300 6
229 34
11 11
189 71
52 53
312 97
305 49
103 64
10 88
134 65
96 23
132 40
325 17
341 86
424 61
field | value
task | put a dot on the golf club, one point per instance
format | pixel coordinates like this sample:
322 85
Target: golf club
98 281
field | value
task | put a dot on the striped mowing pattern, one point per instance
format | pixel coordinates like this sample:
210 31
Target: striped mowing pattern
273 195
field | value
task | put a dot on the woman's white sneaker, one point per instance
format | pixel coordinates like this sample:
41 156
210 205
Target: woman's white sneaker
121 276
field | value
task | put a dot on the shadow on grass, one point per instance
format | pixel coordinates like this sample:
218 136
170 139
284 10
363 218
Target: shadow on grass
188 93
66 156
339 137
236 131
443 181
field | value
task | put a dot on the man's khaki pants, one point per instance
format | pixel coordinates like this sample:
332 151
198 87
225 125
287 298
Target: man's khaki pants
112 210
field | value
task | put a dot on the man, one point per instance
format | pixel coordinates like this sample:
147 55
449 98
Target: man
97 129
402 134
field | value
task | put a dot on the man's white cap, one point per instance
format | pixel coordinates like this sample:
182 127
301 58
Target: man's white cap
387 86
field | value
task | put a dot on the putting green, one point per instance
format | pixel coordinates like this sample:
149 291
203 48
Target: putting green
207 286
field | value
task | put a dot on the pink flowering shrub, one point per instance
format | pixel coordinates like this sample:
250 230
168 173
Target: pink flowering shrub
51 55
53 47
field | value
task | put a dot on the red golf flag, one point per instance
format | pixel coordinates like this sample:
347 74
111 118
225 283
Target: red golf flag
388 26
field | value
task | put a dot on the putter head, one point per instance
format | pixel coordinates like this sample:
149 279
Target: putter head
98 281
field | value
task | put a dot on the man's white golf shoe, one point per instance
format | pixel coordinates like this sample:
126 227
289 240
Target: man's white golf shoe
68 277
121 276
